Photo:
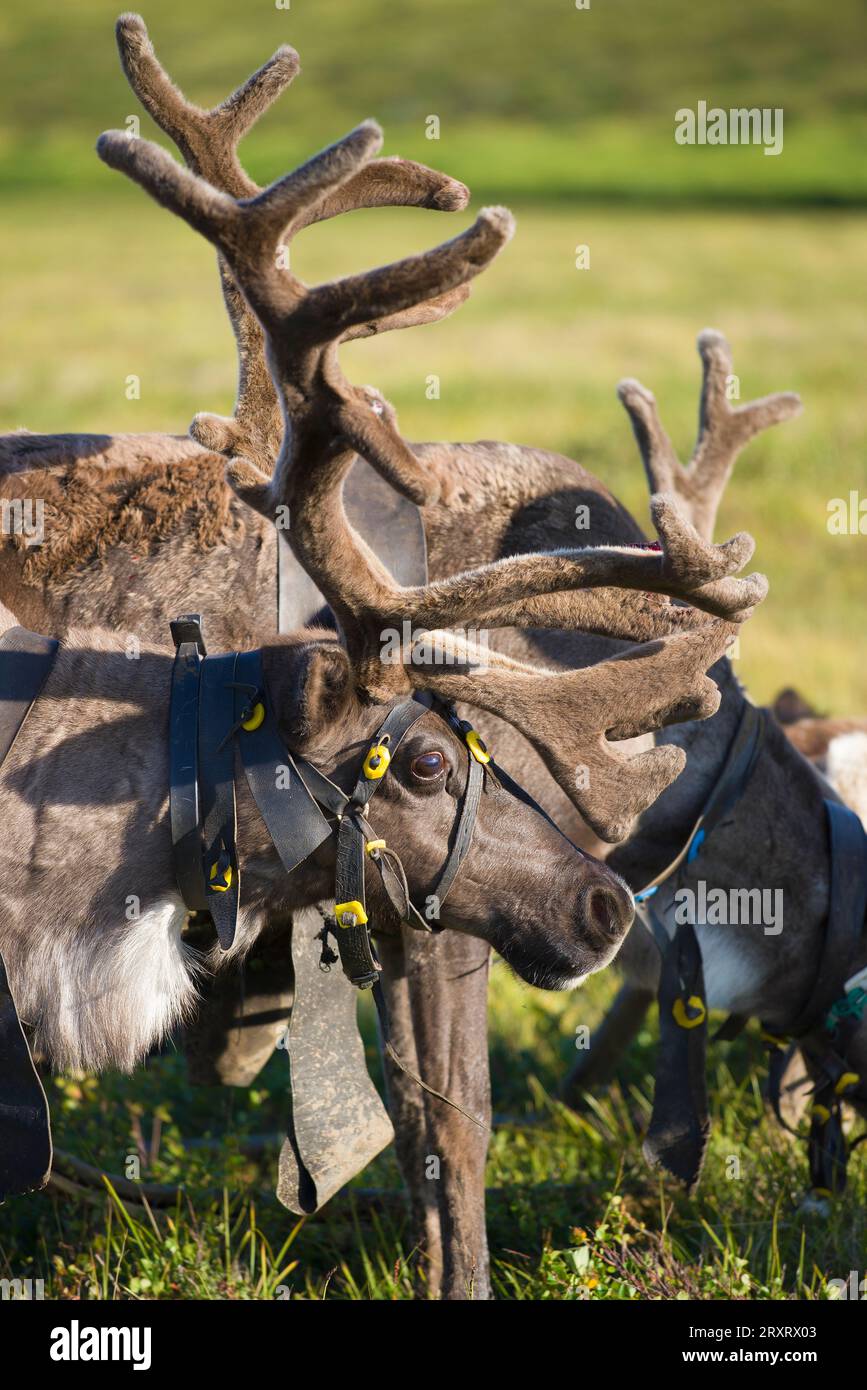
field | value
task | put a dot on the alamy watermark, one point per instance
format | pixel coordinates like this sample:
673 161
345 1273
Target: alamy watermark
23 516
730 907
411 646
739 125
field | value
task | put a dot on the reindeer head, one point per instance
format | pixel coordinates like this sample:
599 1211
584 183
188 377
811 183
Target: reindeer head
552 911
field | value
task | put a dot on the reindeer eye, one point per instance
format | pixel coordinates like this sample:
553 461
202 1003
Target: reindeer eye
427 766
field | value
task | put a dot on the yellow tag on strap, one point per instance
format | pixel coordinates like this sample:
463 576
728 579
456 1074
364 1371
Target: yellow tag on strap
256 719
476 747
376 763
849 1078
351 914
226 877
685 1020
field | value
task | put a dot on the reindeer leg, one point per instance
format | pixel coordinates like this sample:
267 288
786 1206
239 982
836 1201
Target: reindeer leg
443 999
597 1066
406 1107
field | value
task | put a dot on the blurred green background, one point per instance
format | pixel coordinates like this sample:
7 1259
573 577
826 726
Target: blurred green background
566 115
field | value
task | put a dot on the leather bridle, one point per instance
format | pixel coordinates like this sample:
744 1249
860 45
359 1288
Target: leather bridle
218 704
356 840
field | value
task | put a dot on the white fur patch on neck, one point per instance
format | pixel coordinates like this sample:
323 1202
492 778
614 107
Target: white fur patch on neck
846 770
105 1000
730 978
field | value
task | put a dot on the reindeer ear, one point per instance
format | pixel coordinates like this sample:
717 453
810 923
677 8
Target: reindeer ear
310 687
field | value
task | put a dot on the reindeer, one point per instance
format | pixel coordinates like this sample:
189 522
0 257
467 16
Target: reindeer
149 526
835 745
86 782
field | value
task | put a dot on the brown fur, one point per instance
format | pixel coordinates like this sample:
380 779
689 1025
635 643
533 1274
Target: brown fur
123 495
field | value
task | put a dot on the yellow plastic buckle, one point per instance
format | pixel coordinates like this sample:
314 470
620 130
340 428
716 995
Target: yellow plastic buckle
849 1078
373 846
685 1020
476 747
350 914
772 1040
822 1114
376 763
226 879
823 1192
256 719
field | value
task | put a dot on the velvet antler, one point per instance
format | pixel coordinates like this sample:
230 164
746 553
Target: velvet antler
208 141
329 421
304 326
571 717
722 433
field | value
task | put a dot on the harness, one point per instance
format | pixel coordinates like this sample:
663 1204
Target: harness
219 704
26 660
219 712
826 1022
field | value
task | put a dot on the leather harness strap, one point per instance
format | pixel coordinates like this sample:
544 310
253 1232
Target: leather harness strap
26 660
833 1012
679 1128
217 793
219 704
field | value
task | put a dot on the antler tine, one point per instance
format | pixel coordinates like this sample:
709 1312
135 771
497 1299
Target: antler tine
208 141
723 432
430 311
407 284
570 716
657 451
182 192
246 232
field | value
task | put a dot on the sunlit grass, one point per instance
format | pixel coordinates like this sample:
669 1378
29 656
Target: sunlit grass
573 1211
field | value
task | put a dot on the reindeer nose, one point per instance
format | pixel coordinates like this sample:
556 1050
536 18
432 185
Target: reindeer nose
609 912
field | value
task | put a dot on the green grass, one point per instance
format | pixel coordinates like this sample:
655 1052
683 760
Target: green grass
573 1214
539 100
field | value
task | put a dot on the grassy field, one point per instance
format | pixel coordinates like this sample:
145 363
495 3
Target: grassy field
567 116
573 1211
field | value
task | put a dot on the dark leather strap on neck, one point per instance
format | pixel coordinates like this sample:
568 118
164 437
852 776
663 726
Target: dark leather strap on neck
217 793
218 704
184 761
679 1127
847 908
26 658
353 937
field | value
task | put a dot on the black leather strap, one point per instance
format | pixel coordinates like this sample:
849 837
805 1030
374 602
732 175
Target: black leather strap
293 819
679 1127
26 658
184 812
466 824
847 908
25 1128
217 793
353 936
